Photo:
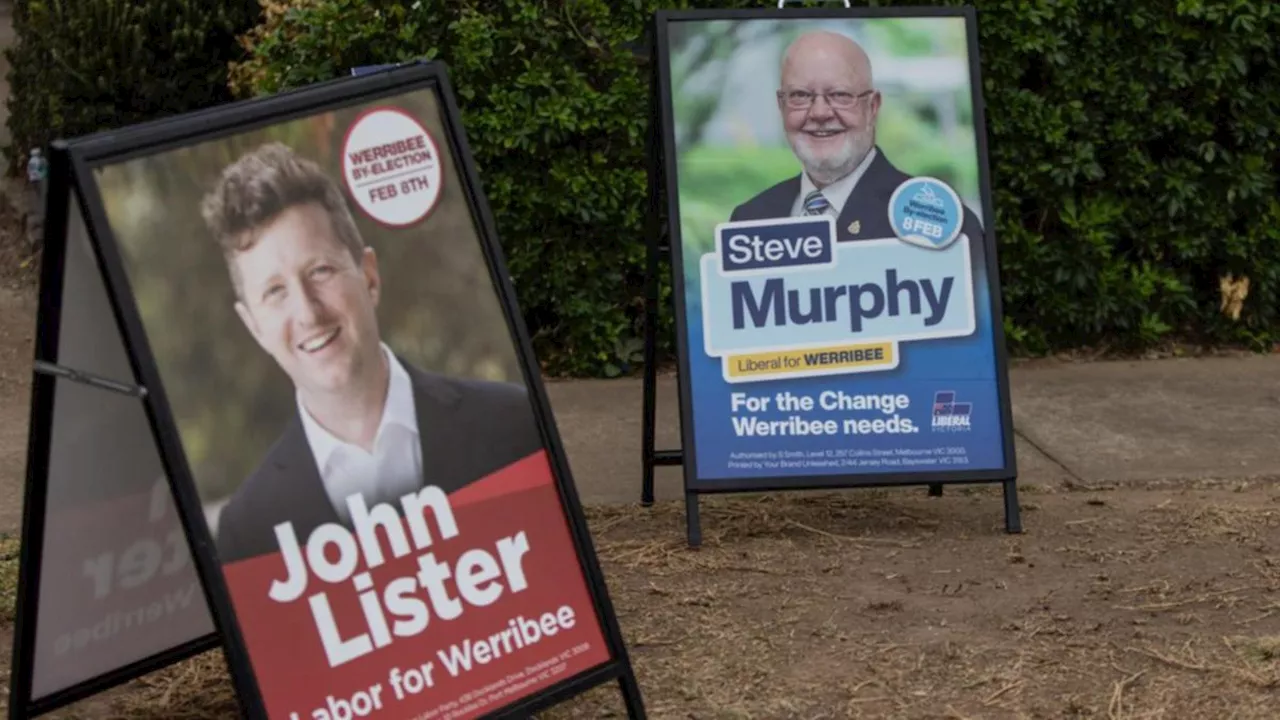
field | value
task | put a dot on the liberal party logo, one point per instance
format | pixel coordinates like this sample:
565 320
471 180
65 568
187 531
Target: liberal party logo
949 415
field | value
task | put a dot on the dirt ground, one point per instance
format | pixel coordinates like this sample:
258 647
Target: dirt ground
876 604
1124 603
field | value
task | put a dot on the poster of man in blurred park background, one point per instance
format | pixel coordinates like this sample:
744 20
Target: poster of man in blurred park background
832 132
866 123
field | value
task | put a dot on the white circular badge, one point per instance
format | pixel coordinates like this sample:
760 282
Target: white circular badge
392 167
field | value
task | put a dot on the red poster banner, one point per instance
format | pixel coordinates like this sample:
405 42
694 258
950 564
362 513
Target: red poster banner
463 603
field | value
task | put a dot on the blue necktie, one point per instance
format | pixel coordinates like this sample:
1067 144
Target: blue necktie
815 203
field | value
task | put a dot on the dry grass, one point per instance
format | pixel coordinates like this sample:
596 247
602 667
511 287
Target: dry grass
889 604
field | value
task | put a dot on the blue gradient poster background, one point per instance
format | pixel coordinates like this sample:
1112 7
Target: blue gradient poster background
812 349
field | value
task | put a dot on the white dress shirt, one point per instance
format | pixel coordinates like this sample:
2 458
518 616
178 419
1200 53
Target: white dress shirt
837 193
395 466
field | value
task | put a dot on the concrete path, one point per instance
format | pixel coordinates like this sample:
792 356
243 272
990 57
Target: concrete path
1078 425
1161 421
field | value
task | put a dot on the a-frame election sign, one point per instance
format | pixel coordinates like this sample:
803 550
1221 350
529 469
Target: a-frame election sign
318 343
818 180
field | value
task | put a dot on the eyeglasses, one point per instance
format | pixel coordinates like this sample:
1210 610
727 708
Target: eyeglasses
802 99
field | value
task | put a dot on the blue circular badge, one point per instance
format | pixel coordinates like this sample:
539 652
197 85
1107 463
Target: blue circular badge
925 211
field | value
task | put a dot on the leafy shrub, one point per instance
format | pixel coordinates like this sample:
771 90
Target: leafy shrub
555 108
86 65
1134 155
1135 148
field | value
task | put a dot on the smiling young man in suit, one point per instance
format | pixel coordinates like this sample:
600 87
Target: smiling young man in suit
366 422
829 108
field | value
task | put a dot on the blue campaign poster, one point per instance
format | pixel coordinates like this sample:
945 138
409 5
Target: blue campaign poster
837 305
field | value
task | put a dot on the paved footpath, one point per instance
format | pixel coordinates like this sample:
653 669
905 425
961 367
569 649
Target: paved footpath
1077 425
1092 425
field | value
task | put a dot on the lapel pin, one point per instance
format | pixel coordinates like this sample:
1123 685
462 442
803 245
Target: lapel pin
855 227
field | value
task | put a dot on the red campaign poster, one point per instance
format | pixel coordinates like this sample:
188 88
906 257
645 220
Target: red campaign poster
468 601
344 381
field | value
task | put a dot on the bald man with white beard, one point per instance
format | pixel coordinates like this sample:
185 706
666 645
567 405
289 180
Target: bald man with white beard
829 108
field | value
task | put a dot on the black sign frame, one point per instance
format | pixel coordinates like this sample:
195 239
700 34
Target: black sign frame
664 243
47 373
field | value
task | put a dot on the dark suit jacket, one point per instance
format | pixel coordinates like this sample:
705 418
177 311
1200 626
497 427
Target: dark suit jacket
468 429
868 205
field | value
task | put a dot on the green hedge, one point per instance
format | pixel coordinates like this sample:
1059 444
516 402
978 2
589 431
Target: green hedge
86 65
555 109
1134 154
